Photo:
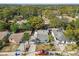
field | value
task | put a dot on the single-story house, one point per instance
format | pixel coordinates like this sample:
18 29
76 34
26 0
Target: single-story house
46 20
16 38
4 35
21 21
68 18
42 36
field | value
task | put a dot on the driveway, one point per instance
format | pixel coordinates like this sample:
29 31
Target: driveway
31 51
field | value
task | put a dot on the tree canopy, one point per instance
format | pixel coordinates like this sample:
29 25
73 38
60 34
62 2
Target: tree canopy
36 22
14 27
26 36
2 25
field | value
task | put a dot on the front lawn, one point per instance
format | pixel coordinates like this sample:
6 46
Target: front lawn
47 47
70 47
10 48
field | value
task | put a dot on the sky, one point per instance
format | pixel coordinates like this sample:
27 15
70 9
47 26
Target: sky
39 1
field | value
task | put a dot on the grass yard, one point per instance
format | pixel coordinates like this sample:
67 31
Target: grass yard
71 47
10 48
47 47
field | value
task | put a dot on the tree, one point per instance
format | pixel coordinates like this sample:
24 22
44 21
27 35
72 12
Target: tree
70 34
36 22
73 35
26 26
66 9
55 23
2 25
26 37
50 37
77 23
14 27
1 44
76 34
69 27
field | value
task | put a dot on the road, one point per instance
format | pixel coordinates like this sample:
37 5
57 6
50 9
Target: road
10 53
62 53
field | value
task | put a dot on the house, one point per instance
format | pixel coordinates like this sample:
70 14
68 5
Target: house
16 38
60 17
59 36
46 20
68 18
4 35
18 21
42 36
21 21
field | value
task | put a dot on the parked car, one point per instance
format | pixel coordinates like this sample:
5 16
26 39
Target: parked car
51 54
18 53
41 52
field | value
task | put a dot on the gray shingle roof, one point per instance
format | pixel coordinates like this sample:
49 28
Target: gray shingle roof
42 35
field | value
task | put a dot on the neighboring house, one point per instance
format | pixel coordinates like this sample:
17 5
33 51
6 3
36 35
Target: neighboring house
77 17
46 20
4 35
59 36
11 21
60 17
16 38
18 21
21 21
42 36
69 18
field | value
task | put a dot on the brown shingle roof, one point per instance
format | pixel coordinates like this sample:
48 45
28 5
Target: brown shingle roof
17 37
3 34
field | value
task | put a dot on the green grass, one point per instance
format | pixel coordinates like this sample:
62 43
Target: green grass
47 47
71 47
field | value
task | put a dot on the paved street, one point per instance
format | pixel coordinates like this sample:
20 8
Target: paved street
9 53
